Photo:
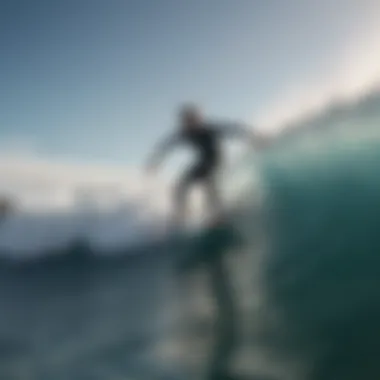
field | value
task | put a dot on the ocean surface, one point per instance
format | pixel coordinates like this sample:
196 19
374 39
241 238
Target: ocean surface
295 296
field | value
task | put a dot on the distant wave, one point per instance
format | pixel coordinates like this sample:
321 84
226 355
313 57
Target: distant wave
34 233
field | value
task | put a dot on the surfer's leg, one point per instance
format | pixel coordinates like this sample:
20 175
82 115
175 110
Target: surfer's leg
180 198
213 196
181 192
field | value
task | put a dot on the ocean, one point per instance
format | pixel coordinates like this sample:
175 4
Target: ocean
296 296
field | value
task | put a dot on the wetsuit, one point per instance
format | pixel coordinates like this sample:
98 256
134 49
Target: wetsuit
205 141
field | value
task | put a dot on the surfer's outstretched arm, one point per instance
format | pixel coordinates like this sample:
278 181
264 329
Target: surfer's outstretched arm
161 150
241 130
236 129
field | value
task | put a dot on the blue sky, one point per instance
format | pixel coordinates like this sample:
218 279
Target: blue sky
99 80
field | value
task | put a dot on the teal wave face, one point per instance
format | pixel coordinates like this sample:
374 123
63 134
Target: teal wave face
322 269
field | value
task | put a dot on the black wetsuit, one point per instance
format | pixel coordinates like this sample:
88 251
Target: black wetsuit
206 142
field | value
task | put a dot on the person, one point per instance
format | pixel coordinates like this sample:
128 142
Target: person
204 136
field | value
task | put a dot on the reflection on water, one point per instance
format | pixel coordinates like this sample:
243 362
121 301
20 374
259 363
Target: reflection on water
104 319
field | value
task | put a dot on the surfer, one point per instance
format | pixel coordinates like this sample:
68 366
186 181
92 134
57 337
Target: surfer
204 137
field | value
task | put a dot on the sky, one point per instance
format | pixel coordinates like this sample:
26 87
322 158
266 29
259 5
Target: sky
94 83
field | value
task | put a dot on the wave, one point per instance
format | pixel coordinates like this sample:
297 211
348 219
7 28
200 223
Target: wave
320 272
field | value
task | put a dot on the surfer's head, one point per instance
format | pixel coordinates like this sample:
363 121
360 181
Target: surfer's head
190 116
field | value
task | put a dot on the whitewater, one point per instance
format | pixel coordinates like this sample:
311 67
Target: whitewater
305 280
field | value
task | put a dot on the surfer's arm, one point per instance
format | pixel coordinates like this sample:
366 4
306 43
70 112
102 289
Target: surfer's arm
243 131
236 129
162 149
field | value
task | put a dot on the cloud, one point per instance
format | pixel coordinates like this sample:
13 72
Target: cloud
354 71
